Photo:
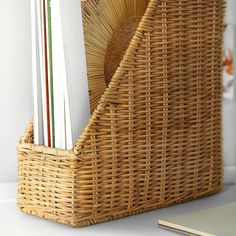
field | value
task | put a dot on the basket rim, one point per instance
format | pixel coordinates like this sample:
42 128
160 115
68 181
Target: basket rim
25 144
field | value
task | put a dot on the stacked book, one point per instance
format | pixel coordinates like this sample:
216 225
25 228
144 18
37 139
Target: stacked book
218 221
61 97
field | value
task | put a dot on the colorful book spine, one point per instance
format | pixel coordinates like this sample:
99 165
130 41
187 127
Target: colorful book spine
46 73
50 71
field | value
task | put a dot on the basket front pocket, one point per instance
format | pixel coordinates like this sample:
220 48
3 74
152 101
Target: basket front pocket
46 182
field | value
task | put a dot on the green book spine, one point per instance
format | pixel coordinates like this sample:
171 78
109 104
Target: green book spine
51 70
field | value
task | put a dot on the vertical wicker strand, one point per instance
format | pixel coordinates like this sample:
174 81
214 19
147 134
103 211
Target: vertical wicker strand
131 139
213 97
115 147
204 105
202 126
165 106
95 164
181 101
148 116
198 96
210 80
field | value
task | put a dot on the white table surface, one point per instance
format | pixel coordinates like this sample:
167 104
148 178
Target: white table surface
15 223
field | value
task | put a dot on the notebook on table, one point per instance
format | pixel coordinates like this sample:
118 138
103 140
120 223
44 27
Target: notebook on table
219 221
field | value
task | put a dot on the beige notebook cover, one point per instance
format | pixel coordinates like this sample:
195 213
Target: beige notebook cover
219 221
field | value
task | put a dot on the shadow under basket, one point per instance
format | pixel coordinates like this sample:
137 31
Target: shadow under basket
155 138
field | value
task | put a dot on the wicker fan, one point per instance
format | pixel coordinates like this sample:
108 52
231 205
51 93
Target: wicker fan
109 26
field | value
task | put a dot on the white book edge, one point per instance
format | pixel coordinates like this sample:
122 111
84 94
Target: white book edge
59 75
42 68
178 228
38 119
76 91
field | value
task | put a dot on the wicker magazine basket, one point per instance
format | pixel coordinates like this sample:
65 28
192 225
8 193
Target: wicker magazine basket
155 138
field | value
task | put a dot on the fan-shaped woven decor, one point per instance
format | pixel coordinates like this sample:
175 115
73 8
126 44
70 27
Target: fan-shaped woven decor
155 138
109 26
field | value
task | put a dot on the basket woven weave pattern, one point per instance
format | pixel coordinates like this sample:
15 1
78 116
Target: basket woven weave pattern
155 138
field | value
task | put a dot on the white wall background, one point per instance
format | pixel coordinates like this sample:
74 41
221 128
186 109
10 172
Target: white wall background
15 81
16 93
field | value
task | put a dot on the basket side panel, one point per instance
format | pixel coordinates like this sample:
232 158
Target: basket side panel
46 183
156 137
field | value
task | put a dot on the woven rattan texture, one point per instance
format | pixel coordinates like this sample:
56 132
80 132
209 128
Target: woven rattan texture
155 139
